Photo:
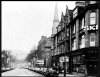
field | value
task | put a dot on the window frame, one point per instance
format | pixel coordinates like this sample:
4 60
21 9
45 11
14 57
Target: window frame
91 17
94 37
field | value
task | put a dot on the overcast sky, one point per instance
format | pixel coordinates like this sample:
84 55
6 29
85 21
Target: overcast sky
24 22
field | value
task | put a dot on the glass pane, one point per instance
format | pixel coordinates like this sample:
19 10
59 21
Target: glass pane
92 14
92 21
92 37
82 23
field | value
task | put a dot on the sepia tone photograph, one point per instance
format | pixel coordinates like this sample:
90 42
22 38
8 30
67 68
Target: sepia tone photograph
50 38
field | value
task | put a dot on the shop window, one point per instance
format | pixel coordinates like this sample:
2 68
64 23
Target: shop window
92 18
92 39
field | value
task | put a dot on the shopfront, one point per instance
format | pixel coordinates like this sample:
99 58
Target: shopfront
63 59
78 64
91 62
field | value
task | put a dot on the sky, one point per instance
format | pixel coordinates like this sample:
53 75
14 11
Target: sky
24 22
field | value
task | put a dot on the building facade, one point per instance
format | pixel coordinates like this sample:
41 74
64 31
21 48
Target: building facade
77 38
46 54
41 46
44 51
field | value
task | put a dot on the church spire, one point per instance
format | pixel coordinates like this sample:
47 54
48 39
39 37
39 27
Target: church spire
56 13
55 21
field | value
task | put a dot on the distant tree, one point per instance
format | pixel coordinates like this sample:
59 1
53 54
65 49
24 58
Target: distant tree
31 55
5 55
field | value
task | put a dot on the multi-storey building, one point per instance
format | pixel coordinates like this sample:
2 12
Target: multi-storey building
46 54
41 46
61 40
77 38
84 37
53 36
44 50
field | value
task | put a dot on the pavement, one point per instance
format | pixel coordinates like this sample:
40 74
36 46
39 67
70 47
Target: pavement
74 75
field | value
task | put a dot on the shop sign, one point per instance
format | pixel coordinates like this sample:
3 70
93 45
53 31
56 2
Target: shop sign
40 62
91 27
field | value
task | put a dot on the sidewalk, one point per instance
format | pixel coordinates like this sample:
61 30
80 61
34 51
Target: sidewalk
74 75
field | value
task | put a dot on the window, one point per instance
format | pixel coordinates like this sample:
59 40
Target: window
62 48
92 39
74 44
82 23
62 35
67 32
74 29
75 13
82 41
59 28
92 18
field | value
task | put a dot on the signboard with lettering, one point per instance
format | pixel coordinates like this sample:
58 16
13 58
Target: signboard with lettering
64 59
40 62
91 27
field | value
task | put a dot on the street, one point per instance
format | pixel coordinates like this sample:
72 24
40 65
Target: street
21 72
